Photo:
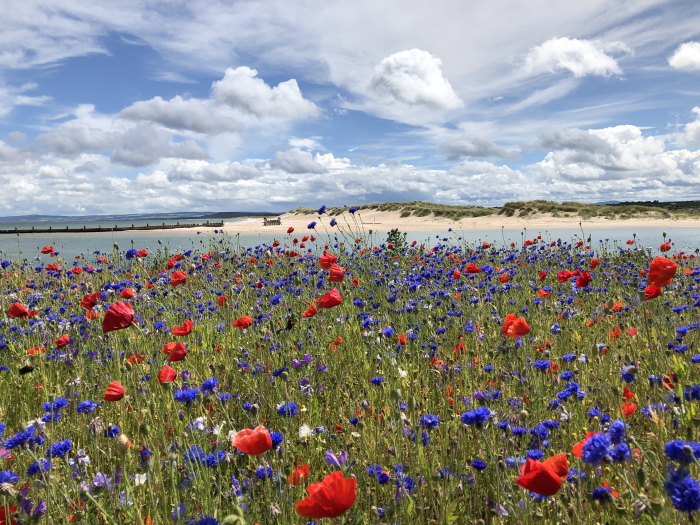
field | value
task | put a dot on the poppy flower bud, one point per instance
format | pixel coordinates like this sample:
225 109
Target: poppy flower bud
360 424
396 394
631 369
523 415
284 375
411 403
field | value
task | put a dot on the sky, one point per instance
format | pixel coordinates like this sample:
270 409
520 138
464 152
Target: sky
199 105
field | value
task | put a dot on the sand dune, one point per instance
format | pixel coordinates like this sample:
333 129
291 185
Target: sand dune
384 221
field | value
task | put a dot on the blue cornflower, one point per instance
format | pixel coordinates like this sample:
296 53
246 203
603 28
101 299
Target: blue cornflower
210 386
333 221
194 454
277 438
377 380
311 225
85 407
112 431
374 470
596 448
601 493
479 464
39 466
287 409
59 449
7 476
429 421
263 472
388 331
682 451
279 371
692 394
322 210
567 375
130 254
616 432
535 453
212 460
477 417
683 490
58 404
383 478
352 210
555 329
542 364
620 453
186 395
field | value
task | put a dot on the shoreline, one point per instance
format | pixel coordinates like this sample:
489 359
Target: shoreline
379 221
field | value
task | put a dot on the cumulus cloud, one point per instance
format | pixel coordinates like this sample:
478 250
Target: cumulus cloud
691 133
15 137
615 153
88 167
73 138
470 146
202 171
311 143
241 89
414 78
180 114
143 145
687 56
296 161
580 57
572 139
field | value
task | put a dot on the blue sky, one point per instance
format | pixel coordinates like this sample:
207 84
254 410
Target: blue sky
204 105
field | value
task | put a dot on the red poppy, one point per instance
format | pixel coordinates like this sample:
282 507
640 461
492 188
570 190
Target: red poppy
54 267
584 279
661 271
327 261
142 253
127 293
170 264
136 359
310 311
630 242
62 341
243 323
166 375
221 300
299 475
504 278
514 326
544 478
542 275
331 299
115 391
336 274
472 268
544 293
36 350
665 247
402 339
628 408
329 498
184 329
47 249
564 276
77 271
627 393
290 229
253 442
456 274
20 311
594 264
119 316
178 277
3 516
176 351
90 301
651 292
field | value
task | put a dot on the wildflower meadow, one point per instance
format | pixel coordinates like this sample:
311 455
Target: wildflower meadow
343 376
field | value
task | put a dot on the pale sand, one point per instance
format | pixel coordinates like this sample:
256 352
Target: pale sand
384 221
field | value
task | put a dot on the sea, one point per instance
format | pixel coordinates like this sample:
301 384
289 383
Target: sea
27 246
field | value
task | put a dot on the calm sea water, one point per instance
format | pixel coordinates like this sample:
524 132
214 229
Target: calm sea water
70 244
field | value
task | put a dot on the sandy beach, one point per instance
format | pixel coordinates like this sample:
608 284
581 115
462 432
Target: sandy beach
385 221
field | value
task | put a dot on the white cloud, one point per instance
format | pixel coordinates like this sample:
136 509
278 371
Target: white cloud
311 143
414 78
580 57
16 137
687 56
11 96
180 114
691 134
74 137
242 90
470 146
143 145
202 171
296 161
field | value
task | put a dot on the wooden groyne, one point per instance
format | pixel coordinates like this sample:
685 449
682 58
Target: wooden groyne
116 228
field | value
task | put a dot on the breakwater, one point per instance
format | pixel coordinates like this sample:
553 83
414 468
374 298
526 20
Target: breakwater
116 228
